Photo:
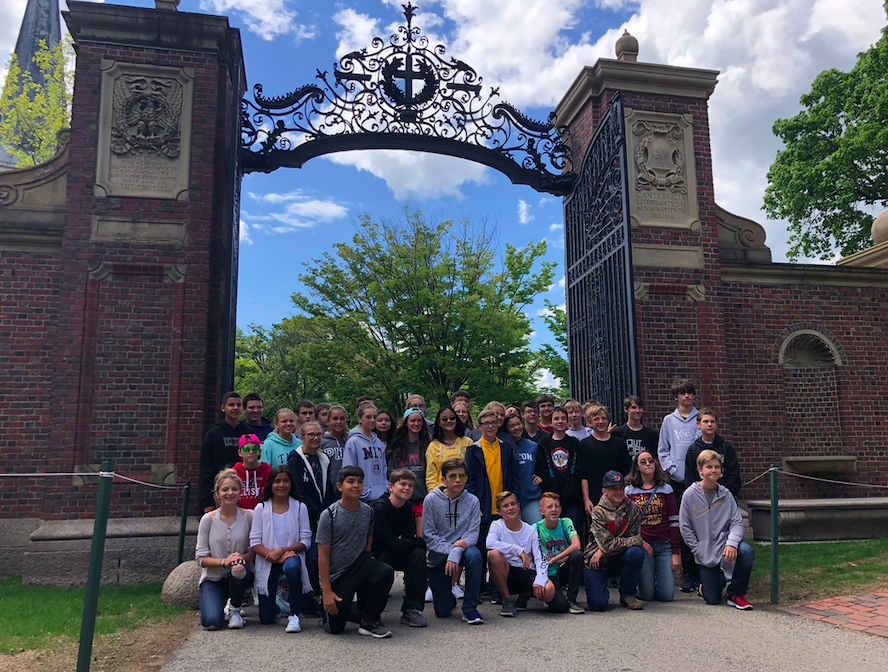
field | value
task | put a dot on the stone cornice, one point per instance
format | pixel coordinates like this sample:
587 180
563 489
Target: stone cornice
653 78
874 257
803 274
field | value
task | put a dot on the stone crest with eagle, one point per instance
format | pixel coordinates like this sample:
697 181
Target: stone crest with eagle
146 113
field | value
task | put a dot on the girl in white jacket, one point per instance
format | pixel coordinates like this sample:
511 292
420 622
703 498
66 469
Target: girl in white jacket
280 536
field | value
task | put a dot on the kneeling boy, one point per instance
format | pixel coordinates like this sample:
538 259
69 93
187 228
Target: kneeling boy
345 566
451 517
561 545
712 528
516 560
615 547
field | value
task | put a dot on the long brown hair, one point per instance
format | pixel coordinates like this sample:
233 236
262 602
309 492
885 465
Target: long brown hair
399 446
635 478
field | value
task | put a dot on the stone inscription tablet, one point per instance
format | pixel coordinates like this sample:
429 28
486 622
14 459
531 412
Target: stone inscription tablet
662 176
144 131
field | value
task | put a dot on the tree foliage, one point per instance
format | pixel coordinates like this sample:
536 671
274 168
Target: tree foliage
32 115
834 169
554 357
408 307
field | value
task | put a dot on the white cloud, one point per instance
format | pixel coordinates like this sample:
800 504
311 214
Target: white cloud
244 233
358 31
544 378
266 18
561 283
300 212
524 216
556 227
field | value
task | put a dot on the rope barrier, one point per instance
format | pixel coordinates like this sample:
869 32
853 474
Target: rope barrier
150 485
100 474
829 480
764 473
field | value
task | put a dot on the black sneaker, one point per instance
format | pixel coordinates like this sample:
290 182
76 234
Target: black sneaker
414 619
374 629
521 602
574 608
509 608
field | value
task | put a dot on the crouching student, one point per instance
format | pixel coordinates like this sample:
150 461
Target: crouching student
615 547
450 521
345 566
395 543
712 528
280 536
517 564
561 545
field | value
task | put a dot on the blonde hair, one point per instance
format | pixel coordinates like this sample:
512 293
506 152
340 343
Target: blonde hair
491 405
592 411
707 456
221 477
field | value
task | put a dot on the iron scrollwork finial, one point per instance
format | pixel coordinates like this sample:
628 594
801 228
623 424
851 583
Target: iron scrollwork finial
404 94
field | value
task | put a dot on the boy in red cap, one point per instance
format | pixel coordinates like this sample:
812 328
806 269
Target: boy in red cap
252 472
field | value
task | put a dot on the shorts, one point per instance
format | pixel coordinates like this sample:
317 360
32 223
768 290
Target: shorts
520 580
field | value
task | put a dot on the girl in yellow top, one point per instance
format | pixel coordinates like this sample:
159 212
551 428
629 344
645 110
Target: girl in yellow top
448 443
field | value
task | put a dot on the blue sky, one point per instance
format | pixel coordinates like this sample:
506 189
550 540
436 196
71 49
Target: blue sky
768 52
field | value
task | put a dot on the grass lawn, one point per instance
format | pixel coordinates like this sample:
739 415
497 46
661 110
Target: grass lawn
809 572
37 617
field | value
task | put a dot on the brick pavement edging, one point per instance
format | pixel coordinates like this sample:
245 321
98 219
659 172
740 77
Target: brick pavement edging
865 613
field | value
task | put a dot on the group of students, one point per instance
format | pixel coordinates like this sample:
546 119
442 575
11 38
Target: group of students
509 508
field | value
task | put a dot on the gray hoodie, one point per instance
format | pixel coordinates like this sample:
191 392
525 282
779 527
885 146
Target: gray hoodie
677 434
707 528
369 455
446 521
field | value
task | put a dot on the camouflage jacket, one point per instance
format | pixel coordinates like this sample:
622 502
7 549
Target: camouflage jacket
613 529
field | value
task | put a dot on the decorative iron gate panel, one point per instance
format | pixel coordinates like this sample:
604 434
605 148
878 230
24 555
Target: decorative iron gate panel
600 298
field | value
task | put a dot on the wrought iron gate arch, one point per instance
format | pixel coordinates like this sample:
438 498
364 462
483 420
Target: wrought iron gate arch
602 351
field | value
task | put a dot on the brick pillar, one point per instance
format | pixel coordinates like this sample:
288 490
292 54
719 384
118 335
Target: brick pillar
680 330
148 252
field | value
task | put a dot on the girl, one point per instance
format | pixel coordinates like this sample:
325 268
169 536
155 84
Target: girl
648 486
280 537
448 443
223 554
385 427
281 442
464 413
407 450
525 456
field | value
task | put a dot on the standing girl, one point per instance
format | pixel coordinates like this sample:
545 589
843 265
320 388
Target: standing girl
385 427
280 537
223 554
448 442
281 442
525 456
407 450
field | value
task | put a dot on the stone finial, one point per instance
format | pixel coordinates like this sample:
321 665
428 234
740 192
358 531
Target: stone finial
627 48
880 228
166 5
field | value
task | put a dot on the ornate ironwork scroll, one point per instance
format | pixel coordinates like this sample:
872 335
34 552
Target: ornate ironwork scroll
600 300
403 94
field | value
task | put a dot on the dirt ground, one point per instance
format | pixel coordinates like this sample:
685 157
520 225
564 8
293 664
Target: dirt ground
141 650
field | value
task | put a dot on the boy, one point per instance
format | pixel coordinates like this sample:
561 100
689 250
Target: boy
345 566
251 471
517 563
638 438
677 434
492 468
560 466
363 449
333 443
451 517
305 412
546 404
615 547
322 415
395 543
707 423
256 424
219 448
712 527
602 452
561 545
530 413
575 426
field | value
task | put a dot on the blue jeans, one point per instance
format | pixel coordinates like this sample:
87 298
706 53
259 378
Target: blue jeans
626 565
530 511
292 569
713 580
443 600
214 594
657 580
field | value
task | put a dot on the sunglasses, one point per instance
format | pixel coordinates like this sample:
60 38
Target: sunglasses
313 435
252 449
453 478
645 461
448 419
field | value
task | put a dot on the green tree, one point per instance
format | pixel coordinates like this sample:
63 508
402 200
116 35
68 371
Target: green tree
417 307
32 115
554 357
834 168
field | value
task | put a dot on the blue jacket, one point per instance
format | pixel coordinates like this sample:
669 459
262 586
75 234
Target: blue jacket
479 484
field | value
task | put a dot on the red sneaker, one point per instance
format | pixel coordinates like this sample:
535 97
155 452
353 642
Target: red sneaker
739 602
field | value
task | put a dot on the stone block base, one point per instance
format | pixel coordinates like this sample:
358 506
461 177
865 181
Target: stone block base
822 519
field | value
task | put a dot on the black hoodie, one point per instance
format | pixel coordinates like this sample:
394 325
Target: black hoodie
394 530
218 452
730 466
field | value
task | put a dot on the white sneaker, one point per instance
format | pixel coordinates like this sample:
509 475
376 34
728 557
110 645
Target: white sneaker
428 595
235 620
255 599
228 609
458 592
293 624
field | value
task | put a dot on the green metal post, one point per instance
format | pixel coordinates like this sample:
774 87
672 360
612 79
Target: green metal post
94 578
186 495
775 537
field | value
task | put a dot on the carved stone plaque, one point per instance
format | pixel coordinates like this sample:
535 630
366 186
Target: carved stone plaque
144 131
662 176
